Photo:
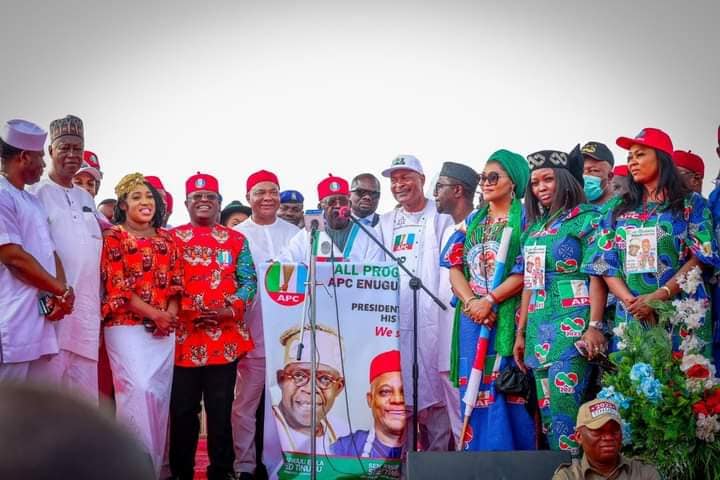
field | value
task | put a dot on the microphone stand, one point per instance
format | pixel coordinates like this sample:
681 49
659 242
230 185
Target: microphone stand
415 285
312 291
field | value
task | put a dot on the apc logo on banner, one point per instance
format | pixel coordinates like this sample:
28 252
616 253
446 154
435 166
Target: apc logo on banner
285 283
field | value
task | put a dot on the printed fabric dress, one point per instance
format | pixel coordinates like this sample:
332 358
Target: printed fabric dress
499 422
148 267
558 314
676 235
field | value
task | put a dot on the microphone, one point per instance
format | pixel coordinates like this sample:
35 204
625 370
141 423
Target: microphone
314 220
345 212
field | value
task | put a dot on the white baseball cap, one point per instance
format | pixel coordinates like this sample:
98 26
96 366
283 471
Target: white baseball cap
404 162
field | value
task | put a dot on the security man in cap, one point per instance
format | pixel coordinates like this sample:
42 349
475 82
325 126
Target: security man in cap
597 172
598 431
291 207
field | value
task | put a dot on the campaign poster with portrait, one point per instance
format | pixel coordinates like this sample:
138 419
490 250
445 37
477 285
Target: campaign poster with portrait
361 417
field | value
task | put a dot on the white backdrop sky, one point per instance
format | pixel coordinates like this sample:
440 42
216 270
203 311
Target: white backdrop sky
310 87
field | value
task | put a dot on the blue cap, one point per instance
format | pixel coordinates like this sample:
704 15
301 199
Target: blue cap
291 196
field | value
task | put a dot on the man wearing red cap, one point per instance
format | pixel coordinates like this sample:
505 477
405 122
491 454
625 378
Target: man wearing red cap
691 168
76 232
413 231
211 336
89 176
387 404
340 240
267 235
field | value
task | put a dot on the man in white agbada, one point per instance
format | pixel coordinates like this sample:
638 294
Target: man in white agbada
28 263
340 240
413 232
267 235
76 233
292 412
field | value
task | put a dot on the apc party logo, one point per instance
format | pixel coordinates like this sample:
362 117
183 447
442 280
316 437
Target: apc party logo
285 283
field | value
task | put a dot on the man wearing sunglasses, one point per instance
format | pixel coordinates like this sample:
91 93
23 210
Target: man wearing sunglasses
340 240
292 412
365 196
219 285
454 193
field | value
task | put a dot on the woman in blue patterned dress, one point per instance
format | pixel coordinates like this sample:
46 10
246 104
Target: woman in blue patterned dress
653 235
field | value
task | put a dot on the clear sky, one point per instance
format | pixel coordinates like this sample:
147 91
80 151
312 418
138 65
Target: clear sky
305 88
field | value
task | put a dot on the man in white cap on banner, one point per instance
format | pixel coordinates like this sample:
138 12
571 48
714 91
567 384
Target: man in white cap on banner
267 235
76 233
413 232
292 413
32 281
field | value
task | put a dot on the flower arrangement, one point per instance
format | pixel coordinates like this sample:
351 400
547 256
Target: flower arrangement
669 400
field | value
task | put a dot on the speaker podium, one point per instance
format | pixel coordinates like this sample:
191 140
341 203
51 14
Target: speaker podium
517 465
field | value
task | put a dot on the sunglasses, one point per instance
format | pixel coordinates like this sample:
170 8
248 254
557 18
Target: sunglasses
439 185
363 193
491 178
198 197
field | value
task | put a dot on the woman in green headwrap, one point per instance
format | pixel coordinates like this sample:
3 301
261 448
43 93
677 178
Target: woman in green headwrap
499 421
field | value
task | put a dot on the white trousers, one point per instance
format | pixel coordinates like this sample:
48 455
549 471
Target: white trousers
436 425
14 372
452 402
142 368
248 391
69 371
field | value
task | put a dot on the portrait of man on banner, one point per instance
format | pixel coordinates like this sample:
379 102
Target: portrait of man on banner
292 412
386 401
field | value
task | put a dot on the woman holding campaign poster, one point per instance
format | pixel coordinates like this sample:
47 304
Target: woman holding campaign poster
499 421
653 235
556 312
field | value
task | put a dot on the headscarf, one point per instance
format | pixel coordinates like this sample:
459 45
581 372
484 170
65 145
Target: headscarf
129 183
516 167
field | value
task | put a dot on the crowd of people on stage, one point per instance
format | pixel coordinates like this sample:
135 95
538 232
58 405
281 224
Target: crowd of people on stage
109 299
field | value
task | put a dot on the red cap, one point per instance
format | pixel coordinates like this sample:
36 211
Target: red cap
90 165
690 161
201 181
168 202
332 186
90 160
155 182
620 171
648 137
383 363
261 176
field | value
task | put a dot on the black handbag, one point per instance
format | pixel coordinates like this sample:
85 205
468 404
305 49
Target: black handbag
513 381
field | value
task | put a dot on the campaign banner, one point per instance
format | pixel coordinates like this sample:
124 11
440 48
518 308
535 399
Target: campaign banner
361 417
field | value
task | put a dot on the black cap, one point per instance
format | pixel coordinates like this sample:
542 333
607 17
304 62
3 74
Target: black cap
572 162
598 151
462 173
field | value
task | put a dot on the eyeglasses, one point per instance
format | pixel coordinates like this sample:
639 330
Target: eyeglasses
210 197
439 185
300 377
491 178
362 193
